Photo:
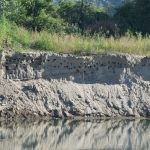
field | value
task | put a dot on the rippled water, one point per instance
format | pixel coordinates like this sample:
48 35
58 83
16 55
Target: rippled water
75 135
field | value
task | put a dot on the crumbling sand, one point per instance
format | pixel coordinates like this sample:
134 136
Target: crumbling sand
34 85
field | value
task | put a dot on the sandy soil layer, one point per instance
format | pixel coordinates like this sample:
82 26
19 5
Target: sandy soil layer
45 85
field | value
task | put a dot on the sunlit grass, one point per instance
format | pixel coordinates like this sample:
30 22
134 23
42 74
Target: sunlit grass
20 39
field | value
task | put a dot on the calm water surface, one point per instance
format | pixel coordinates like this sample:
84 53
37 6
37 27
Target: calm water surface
75 135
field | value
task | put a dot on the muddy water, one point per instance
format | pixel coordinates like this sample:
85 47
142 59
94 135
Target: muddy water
75 135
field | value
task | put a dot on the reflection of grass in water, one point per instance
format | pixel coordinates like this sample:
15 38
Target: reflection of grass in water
20 39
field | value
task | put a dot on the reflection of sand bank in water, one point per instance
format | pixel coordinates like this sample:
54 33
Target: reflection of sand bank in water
58 135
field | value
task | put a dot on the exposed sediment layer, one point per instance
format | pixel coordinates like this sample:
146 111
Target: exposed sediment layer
42 84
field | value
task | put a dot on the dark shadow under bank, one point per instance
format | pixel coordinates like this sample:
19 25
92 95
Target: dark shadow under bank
89 134
24 117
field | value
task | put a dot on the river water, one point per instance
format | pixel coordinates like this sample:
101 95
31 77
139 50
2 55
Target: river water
76 135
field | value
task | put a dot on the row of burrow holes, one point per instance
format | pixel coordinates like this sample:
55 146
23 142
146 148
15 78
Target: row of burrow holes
70 67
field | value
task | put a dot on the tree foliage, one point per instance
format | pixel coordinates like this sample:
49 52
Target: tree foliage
77 16
33 14
81 13
44 14
134 15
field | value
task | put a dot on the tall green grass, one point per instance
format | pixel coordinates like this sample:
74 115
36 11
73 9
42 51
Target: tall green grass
4 30
21 39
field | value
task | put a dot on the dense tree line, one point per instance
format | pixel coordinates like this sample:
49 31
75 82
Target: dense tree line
78 16
134 15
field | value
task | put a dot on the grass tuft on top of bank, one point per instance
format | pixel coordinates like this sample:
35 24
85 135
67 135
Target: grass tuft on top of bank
20 39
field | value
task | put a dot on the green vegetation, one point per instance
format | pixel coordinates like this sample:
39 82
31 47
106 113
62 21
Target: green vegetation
74 27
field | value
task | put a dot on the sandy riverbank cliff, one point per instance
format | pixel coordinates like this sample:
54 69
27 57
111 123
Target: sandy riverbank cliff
34 85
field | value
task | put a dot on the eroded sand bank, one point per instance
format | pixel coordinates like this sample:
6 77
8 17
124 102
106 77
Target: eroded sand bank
34 85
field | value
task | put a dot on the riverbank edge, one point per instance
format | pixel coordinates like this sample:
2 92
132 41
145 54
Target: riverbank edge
8 61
